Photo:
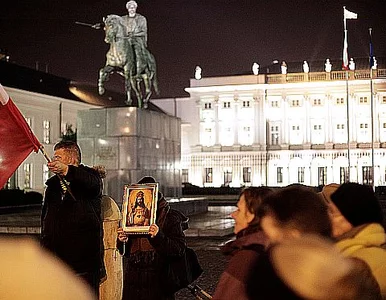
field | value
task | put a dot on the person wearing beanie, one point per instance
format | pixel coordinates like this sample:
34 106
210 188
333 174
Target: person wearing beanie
357 226
146 256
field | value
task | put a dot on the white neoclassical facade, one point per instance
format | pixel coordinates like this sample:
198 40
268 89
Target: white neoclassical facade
278 129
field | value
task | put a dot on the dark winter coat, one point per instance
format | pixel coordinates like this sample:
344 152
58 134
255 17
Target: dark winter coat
243 253
145 274
71 228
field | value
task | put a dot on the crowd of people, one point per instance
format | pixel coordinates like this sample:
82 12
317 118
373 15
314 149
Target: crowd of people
290 242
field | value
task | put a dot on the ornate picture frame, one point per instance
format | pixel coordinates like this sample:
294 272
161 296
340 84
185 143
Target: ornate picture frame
139 207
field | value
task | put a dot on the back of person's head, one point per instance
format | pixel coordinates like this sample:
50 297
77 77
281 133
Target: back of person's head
314 269
71 148
253 198
298 207
357 203
29 272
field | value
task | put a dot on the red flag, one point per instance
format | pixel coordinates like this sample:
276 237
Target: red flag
16 138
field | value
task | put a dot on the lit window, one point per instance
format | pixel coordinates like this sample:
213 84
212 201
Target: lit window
339 101
279 174
185 175
246 174
363 100
246 103
27 176
274 135
208 175
317 102
301 174
207 105
46 132
322 176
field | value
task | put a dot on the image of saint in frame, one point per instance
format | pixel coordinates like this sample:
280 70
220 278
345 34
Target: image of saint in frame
139 207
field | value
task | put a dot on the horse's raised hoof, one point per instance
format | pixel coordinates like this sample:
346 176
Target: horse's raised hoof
101 90
145 105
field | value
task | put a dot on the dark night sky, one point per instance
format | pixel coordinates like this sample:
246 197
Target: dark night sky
224 37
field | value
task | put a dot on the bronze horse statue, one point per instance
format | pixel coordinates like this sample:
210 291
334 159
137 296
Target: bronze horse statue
138 72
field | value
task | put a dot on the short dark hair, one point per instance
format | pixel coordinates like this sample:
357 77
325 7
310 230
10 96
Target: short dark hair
253 198
298 207
71 148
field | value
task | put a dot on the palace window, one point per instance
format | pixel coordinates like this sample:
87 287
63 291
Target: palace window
27 168
340 126
301 174
367 175
246 104
384 99
46 132
343 171
322 176
279 174
317 102
226 104
185 175
208 175
295 103
247 174
208 105
339 100
274 135
363 100
274 103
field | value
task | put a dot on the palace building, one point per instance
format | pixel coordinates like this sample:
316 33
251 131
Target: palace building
285 126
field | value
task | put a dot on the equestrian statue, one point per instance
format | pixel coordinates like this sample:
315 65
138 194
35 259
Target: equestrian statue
128 55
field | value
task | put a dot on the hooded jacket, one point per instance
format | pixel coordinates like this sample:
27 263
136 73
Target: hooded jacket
365 242
146 260
71 226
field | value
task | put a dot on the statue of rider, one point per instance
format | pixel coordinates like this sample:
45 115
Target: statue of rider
136 26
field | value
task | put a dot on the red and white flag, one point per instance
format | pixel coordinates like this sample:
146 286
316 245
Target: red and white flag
16 138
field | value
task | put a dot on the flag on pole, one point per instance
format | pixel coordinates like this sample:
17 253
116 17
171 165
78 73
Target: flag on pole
349 14
17 139
371 50
346 15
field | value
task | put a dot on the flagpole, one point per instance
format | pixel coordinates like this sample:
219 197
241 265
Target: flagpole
348 129
372 112
345 62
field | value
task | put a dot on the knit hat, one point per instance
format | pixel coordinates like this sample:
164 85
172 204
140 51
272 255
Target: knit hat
357 203
147 179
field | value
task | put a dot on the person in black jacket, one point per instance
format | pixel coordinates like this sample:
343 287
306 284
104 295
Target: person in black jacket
147 257
71 222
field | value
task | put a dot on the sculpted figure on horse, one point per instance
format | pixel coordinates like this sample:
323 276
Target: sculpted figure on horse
129 56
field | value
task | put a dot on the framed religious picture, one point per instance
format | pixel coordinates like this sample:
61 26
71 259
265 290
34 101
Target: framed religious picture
139 207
